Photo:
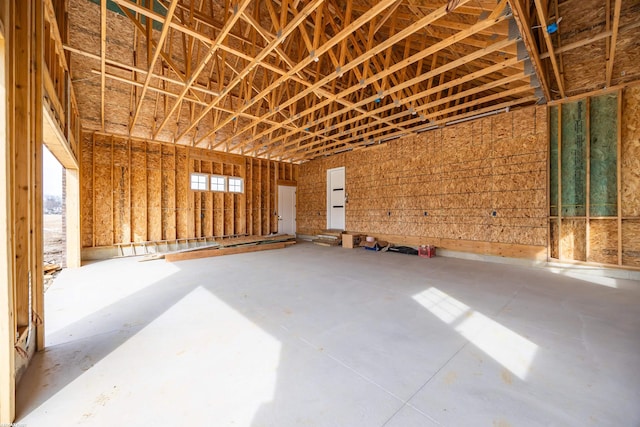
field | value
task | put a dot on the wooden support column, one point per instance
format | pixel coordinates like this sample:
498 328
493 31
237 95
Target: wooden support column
20 155
36 244
619 174
73 218
588 183
7 320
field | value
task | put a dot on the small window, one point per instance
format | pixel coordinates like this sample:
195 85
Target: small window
218 183
199 181
235 185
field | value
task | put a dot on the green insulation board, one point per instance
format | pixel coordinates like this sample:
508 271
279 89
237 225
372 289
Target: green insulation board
573 159
603 132
553 160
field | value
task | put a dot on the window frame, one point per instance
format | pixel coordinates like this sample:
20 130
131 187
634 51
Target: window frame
199 175
241 182
224 183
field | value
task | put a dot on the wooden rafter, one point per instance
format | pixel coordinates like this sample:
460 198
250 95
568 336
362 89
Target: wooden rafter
423 116
614 39
437 14
542 18
296 79
432 90
235 16
303 63
159 45
291 26
416 57
523 21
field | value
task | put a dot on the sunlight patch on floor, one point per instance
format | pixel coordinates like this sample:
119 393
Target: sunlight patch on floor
199 353
506 347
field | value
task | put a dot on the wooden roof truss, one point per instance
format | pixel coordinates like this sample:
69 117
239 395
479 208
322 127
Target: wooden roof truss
294 80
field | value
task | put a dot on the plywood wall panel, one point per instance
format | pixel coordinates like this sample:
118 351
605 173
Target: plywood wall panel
103 210
524 123
502 127
573 240
182 190
458 175
154 192
603 241
121 191
86 188
631 242
169 192
630 162
143 193
139 191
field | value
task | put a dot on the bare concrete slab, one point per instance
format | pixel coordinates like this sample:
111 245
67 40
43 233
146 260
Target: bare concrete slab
320 336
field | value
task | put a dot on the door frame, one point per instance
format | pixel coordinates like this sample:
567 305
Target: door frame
328 202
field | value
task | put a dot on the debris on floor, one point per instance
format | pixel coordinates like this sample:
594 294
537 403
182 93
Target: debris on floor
235 245
328 238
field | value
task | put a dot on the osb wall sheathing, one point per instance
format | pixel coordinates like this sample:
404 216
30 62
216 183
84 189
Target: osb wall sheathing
631 242
480 182
630 176
138 191
631 152
585 67
603 241
573 239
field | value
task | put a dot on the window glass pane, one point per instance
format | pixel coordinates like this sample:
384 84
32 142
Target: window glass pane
218 183
198 181
235 185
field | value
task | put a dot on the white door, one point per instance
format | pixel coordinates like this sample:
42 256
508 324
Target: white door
335 199
286 209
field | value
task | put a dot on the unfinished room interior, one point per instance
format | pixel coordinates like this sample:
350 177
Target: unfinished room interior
322 212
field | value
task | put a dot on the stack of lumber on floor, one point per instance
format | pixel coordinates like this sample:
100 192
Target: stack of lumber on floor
329 238
235 245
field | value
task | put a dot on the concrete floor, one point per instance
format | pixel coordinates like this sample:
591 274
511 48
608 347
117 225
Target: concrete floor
320 336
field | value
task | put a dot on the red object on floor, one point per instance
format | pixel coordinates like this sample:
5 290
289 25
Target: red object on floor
427 251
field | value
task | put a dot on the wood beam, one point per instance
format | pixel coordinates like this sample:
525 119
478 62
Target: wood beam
152 64
291 26
428 51
7 293
437 14
311 154
523 20
431 90
236 14
542 18
424 108
614 40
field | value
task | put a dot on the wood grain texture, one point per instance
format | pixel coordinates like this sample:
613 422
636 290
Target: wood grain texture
443 185
207 253
134 190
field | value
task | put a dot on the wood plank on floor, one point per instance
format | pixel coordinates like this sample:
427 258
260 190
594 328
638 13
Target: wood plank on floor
236 241
223 251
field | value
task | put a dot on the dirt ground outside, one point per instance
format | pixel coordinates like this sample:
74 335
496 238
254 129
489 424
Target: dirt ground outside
54 245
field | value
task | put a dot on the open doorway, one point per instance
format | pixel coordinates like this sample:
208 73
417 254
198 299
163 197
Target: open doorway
54 224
